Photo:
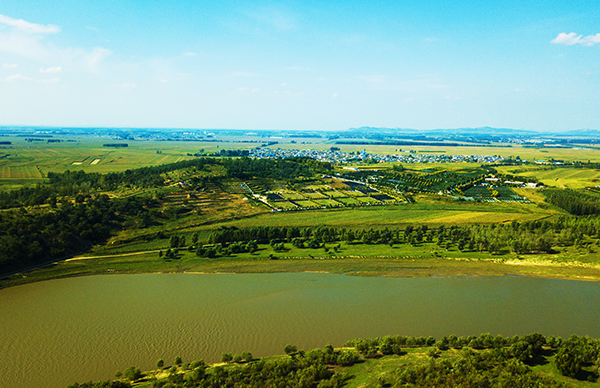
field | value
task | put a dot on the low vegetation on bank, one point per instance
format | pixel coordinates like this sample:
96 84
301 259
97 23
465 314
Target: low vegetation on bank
392 361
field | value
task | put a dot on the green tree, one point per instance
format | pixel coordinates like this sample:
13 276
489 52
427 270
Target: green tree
569 361
290 349
132 373
160 363
247 356
178 360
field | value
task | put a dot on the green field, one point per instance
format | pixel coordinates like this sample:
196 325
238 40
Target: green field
315 195
349 201
306 204
286 205
30 160
368 200
335 194
326 202
292 195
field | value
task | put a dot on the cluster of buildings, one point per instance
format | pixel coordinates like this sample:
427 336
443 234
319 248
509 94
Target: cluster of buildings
334 156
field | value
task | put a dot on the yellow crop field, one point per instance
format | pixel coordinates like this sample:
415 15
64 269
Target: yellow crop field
562 177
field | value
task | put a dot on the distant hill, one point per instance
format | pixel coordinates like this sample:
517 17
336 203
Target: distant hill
580 133
446 132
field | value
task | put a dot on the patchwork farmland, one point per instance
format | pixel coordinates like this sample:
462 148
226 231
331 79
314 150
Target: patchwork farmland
330 193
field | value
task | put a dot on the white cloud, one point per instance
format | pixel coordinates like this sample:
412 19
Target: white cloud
591 40
572 38
190 54
283 84
128 86
15 77
55 69
27 27
163 81
10 66
334 95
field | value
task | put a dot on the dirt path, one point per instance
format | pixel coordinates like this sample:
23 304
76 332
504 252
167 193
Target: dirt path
119 255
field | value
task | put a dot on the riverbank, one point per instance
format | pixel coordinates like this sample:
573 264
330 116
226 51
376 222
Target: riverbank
386 361
355 265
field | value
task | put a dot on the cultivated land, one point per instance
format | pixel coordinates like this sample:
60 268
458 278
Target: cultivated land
421 195
366 218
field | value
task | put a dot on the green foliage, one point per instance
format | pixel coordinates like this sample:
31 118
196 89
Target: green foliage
132 373
578 203
247 356
102 384
290 349
520 238
491 362
37 237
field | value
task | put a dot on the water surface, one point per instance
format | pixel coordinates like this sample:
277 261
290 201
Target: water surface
57 332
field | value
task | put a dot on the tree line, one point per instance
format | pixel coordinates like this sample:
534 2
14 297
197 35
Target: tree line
578 203
518 237
471 361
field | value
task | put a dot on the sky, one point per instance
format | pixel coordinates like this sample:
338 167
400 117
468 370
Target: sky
293 65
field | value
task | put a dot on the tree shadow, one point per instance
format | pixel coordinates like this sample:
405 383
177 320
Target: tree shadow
586 375
538 359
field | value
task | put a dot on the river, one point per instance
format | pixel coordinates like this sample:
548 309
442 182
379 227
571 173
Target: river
56 332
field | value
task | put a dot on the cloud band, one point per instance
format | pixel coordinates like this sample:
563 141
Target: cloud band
572 38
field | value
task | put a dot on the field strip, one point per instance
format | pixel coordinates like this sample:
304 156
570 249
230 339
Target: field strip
119 255
550 263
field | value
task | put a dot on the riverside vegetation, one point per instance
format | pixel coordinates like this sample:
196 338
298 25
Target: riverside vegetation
392 361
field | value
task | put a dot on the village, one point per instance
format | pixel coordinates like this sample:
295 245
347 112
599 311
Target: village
334 155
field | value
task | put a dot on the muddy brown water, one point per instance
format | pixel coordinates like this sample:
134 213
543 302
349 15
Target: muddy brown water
57 332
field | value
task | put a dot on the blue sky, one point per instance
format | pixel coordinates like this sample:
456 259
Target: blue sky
300 65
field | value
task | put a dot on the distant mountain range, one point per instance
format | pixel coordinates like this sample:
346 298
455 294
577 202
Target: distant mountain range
471 135
474 132
489 131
